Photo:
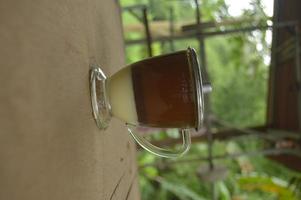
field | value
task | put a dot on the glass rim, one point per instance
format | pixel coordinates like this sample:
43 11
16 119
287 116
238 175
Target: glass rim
197 76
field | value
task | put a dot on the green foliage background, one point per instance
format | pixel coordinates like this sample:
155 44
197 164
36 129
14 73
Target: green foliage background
238 70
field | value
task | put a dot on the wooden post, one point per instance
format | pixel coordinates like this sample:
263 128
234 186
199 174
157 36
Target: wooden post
147 32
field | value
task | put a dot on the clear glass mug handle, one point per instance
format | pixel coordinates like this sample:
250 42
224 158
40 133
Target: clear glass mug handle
160 151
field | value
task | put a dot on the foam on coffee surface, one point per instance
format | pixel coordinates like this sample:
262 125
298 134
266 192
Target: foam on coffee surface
121 94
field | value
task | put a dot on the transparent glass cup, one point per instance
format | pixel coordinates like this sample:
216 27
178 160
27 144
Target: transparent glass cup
160 92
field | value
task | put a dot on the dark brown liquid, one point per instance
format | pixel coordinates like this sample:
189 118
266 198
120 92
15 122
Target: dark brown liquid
165 92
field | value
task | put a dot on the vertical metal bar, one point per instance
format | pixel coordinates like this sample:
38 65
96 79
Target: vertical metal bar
171 29
272 72
205 77
207 99
200 37
147 32
198 13
298 73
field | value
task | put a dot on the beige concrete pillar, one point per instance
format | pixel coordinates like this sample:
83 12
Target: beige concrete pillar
50 147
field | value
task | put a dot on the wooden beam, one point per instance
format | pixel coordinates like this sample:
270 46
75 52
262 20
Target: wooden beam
216 24
213 33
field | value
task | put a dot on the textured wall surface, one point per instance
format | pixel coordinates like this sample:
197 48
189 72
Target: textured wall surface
50 147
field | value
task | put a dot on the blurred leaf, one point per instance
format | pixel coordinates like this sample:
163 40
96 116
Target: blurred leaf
146 158
223 191
267 184
150 172
181 191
